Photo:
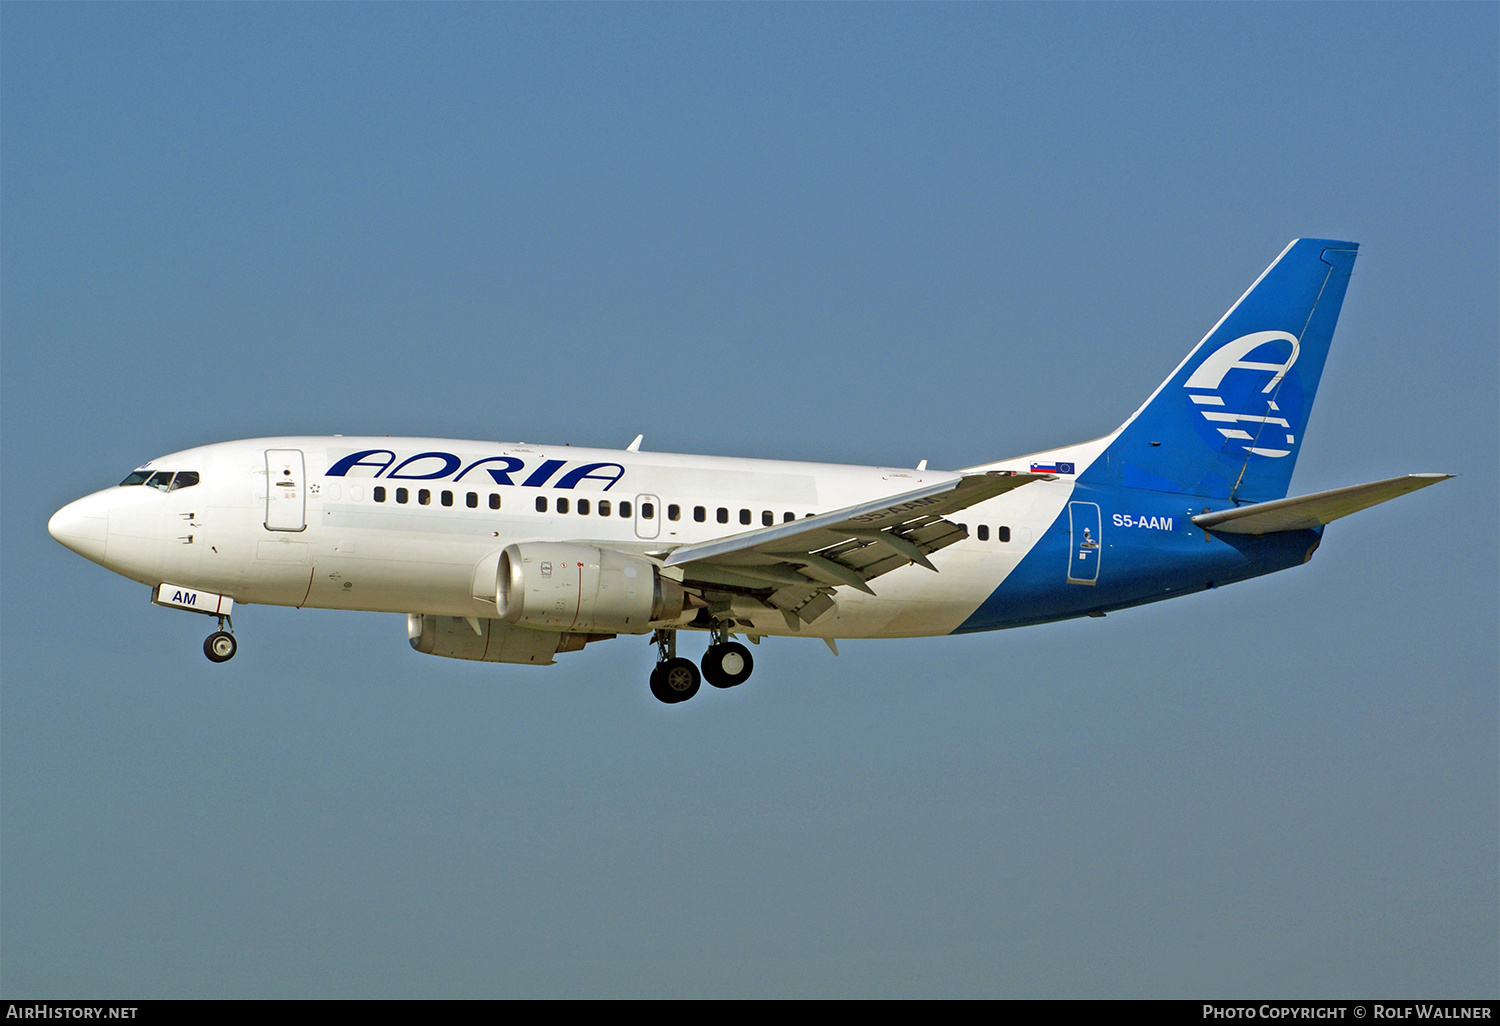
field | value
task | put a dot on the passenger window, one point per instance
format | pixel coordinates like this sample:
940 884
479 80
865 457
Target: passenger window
1003 533
648 510
624 509
604 507
674 511
447 498
472 500
766 518
401 494
583 507
700 514
186 479
723 515
744 516
562 505
494 500
984 532
787 518
424 496
541 504
379 493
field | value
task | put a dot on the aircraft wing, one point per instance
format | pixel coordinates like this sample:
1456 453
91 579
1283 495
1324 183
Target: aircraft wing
1315 510
801 562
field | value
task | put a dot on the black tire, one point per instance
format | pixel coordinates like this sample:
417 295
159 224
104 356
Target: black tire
220 646
727 665
675 680
658 685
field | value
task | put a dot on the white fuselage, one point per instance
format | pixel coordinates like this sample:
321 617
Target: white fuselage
415 528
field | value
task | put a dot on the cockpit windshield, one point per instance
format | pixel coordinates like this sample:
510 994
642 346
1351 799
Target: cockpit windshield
164 480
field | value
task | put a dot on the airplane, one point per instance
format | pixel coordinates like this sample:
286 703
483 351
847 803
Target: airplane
517 553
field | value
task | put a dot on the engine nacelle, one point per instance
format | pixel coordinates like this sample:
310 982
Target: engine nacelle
495 641
560 586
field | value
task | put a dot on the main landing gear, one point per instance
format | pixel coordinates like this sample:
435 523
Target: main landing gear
725 664
674 679
220 646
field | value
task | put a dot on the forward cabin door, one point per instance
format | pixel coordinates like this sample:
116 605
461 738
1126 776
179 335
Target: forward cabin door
286 490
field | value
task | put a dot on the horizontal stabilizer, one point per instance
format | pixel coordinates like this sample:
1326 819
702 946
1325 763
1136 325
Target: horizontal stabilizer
1307 511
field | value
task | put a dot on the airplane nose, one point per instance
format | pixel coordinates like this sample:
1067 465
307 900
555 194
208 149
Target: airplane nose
83 526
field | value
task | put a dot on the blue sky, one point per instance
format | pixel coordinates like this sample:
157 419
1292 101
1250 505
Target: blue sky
860 233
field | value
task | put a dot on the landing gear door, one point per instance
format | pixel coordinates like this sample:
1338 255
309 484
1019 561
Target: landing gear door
1083 557
286 490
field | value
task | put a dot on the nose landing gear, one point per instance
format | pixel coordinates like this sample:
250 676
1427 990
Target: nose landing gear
220 646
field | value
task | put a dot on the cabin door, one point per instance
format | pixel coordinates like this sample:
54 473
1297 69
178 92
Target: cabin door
286 490
647 516
1083 558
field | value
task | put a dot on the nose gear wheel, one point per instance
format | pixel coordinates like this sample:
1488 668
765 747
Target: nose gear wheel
220 646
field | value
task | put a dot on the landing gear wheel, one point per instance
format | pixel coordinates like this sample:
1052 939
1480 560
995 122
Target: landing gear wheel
220 646
675 680
727 664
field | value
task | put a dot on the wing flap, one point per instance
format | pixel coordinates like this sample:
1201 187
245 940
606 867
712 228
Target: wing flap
1315 510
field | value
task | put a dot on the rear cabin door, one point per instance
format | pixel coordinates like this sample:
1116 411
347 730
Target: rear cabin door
286 490
1083 561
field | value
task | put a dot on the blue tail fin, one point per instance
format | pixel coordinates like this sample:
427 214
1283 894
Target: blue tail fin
1229 421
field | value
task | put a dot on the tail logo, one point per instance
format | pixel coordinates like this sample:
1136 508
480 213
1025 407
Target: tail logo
1270 399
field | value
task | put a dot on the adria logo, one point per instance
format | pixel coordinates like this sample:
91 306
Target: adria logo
1231 356
1264 428
440 466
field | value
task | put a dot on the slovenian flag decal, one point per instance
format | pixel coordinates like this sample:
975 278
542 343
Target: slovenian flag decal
1052 468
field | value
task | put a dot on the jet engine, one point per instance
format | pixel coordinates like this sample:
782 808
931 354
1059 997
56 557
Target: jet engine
561 586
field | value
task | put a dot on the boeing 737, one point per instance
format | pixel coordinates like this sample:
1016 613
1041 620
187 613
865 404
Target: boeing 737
517 553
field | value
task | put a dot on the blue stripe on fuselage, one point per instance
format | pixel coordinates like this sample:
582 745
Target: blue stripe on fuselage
1148 549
